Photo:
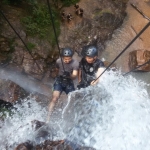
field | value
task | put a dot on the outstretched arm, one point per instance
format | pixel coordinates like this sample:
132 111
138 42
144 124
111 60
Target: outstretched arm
99 72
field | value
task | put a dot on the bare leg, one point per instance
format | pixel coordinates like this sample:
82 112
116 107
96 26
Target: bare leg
56 95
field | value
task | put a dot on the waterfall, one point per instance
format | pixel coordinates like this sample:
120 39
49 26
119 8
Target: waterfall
115 114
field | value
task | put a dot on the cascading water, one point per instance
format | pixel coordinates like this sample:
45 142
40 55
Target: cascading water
115 114
17 128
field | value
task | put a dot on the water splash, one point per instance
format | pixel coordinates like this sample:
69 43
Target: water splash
18 127
115 114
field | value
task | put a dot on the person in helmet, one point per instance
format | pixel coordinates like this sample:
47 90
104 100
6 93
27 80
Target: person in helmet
67 70
90 67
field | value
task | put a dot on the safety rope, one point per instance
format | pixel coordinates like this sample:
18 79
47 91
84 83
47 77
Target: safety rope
137 68
20 38
148 20
140 11
51 15
147 25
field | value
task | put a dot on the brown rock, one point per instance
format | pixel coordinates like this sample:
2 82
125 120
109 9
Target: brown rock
49 145
24 146
10 91
52 57
36 124
33 66
139 57
4 45
21 147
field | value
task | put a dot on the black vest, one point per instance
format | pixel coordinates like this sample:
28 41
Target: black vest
89 70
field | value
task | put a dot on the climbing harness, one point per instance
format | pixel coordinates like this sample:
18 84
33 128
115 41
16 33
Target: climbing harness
20 38
63 80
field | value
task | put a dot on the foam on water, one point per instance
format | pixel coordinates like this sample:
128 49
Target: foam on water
115 114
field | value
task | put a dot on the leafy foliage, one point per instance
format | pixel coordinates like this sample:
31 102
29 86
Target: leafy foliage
13 2
64 3
4 112
69 2
39 23
16 2
30 46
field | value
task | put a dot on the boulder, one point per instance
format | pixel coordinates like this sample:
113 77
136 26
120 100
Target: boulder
24 146
11 92
50 145
33 65
47 144
139 57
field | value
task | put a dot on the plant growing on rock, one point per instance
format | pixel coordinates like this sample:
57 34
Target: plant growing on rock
39 23
64 3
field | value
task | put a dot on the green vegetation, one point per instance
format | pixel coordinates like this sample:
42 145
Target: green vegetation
6 2
4 112
101 12
39 23
30 46
6 55
11 43
17 2
11 2
69 2
59 4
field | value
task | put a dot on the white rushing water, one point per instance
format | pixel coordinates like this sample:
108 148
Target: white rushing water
17 128
115 114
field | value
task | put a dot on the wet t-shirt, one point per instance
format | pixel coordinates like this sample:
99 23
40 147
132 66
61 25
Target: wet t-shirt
73 65
88 71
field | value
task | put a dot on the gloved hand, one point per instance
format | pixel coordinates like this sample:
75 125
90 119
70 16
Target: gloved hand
66 74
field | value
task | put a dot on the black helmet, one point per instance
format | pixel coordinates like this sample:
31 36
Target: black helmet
67 52
90 51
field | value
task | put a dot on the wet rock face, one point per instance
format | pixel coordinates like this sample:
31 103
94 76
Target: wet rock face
139 57
96 26
50 145
10 91
6 50
24 146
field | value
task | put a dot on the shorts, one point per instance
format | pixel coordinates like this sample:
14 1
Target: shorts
63 85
